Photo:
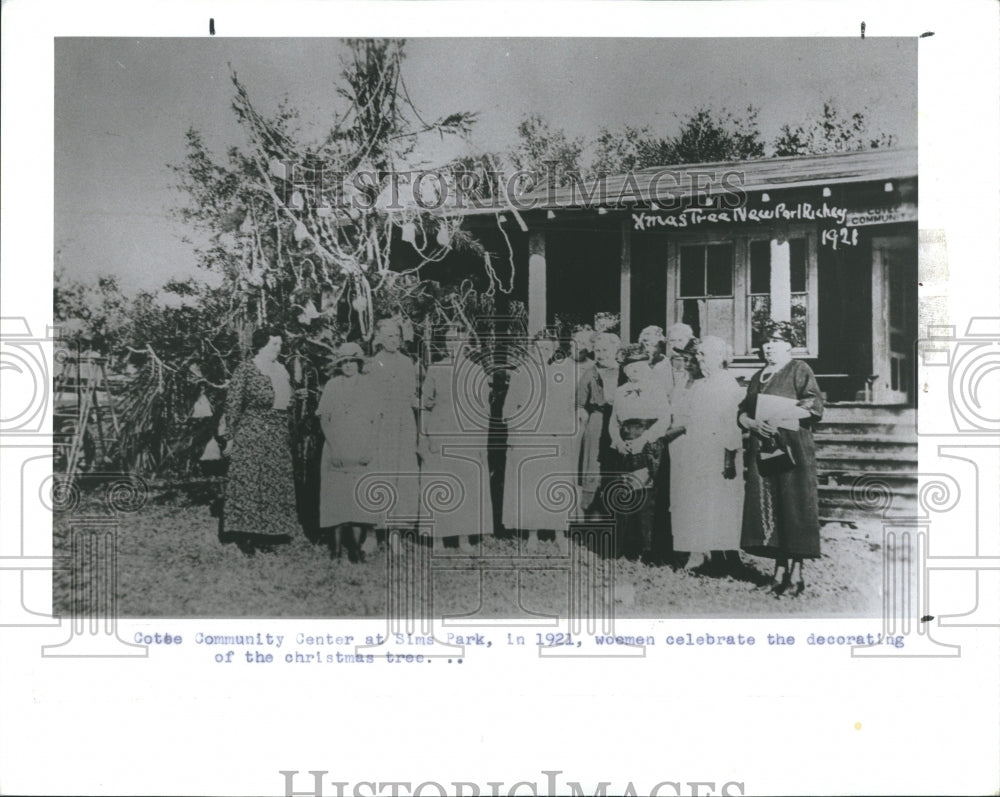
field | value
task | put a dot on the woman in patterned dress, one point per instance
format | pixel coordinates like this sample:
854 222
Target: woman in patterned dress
260 493
781 510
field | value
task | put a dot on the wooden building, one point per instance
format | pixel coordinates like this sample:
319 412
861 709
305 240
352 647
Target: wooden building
702 244
828 242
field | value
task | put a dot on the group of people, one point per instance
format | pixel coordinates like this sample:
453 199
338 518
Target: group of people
646 439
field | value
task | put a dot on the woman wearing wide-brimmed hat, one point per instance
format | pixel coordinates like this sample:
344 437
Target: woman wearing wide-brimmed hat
780 513
454 429
347 416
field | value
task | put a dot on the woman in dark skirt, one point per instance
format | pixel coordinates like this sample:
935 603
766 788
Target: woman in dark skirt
260 493
640 417
780 513
595 395
654 341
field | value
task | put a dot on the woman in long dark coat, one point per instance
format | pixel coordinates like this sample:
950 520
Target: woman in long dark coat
781 510
260 493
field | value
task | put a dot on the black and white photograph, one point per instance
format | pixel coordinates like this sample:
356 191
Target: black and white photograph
499 398
532 321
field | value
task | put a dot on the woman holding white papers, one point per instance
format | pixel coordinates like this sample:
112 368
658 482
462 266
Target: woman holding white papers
780 513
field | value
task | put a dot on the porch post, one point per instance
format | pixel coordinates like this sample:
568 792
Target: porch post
537 311
781 279
626 282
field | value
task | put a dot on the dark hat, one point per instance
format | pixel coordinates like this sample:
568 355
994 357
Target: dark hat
780 330
690 349
636 353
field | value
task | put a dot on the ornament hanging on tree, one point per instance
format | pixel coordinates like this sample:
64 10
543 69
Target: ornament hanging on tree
329 298
443 236
277 168
409 232
212 453
308 312
202 407
301 233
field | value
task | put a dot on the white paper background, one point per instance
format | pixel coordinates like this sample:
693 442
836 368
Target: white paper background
779 721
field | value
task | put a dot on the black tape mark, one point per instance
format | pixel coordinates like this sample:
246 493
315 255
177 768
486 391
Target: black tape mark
927 33
927 618
862 29
211 26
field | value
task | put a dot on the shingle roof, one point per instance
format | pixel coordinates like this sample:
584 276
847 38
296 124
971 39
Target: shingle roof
764 174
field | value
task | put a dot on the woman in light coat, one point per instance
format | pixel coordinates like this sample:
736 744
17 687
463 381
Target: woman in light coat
347 417
455 478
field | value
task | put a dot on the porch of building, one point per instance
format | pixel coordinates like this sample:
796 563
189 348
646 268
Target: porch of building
866 444
866 455
842 266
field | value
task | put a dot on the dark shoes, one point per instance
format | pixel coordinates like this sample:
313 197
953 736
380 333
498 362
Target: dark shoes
786 587
778 588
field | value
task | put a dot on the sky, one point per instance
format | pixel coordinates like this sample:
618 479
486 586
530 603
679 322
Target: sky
122 107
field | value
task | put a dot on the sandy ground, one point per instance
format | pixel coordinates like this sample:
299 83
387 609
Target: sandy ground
171 564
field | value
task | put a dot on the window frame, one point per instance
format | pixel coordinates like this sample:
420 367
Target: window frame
732 279
742 334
